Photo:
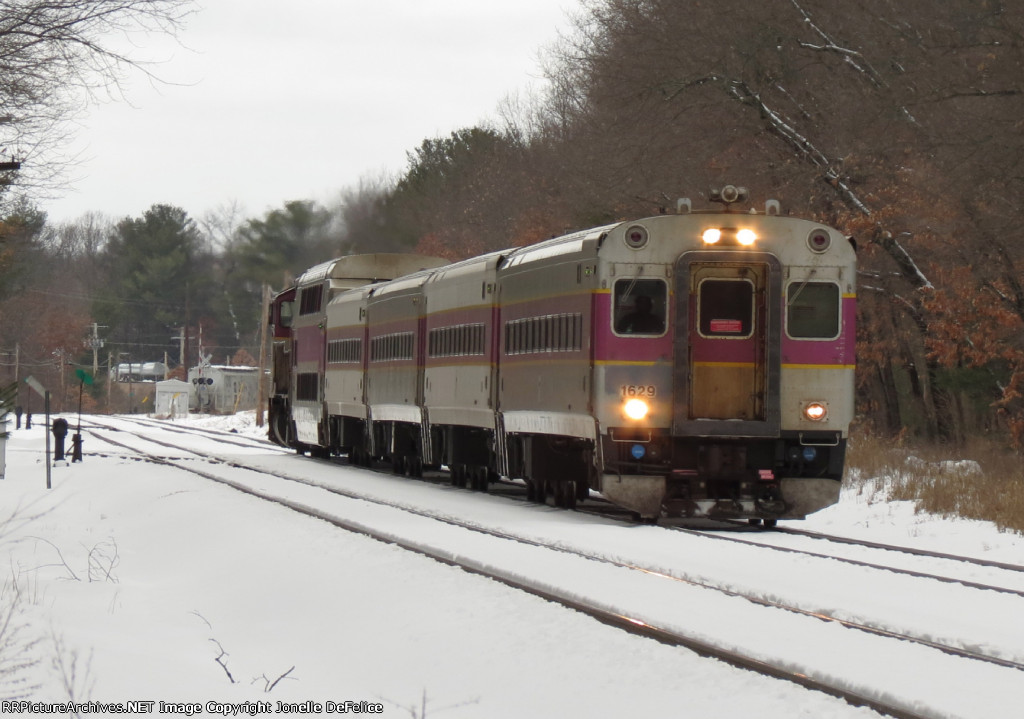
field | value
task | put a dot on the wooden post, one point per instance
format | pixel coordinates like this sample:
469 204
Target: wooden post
261 394
46 404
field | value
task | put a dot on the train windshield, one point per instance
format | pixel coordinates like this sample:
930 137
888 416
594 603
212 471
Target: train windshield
640 307
812 310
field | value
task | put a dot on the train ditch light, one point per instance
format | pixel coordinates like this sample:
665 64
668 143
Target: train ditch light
635 409
816 411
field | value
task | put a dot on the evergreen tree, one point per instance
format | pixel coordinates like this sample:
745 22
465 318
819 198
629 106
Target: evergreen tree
159 279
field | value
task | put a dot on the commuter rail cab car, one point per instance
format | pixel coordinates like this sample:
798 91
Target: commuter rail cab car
697 364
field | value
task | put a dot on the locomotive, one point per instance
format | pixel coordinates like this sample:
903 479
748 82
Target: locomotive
696 364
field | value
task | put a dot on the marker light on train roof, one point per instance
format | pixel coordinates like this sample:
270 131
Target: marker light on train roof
746 237
712 235
819 240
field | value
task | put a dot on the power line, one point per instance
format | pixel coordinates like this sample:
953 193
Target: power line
117 300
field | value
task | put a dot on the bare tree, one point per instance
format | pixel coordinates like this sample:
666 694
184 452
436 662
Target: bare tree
898 121
56 55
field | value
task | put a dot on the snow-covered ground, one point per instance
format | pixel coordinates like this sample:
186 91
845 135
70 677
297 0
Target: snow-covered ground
129 581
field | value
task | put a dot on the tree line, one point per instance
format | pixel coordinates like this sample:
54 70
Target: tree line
898 122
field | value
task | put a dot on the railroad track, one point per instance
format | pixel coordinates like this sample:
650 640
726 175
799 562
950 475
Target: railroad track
955 560
611 613
978 561
516 492
222 436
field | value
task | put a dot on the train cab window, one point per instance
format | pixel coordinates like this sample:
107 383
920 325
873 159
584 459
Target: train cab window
310 299
726 308
640 307
286 310
812 310
280 314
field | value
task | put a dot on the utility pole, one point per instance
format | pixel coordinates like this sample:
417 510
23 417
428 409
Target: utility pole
261 381
110 380
95 343
188 320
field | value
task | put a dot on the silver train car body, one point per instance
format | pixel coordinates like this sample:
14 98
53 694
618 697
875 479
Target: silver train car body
691 365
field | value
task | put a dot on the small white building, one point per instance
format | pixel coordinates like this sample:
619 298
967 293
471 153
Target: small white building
172 399
223 389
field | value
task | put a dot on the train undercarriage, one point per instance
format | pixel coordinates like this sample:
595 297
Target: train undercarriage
760 480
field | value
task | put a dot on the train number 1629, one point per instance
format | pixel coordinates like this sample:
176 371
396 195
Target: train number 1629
638 390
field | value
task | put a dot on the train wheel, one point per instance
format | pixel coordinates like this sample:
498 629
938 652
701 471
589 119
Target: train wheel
569 494
536 490
770 523
558 493
482 479
582 491
397 464
365 458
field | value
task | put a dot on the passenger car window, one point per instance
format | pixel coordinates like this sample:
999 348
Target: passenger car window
639 307
812 310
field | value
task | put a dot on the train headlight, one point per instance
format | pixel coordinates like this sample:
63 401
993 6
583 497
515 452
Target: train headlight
635 408
816 411
746 237
711 236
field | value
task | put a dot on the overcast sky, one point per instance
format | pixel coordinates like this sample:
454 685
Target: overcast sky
276 101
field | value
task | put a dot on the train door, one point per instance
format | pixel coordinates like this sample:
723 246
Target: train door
727 360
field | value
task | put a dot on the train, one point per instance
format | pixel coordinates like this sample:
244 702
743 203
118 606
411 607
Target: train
692 364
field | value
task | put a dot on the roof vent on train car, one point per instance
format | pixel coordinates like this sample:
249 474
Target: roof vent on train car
728 195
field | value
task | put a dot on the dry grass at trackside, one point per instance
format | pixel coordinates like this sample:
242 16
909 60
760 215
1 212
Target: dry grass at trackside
979 481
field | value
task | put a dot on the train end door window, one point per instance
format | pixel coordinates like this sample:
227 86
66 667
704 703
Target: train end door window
726 308
640 307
